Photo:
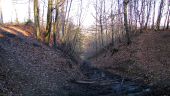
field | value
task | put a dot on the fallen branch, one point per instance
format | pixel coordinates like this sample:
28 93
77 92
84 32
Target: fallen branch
99 82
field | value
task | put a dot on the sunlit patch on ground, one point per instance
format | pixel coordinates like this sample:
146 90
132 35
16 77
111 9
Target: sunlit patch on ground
25 33
1 36
15 30
8 30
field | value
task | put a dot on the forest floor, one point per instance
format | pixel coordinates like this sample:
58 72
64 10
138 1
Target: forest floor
30 68
146 60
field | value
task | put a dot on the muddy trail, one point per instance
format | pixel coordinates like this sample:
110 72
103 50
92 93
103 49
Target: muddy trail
104 83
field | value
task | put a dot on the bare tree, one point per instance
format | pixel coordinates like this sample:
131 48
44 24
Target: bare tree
16 19
29 10
120 23
142 14
149 4
65 18
49 22
159 14
125 3
36 19
153 15
101 21
168 21
112 24
136 3
42 17
96 37
130 14
55 24
1 15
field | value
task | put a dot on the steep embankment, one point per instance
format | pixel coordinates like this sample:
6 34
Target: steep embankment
30 68
146 59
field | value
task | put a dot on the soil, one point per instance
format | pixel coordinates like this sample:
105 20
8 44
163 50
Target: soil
30 68
146 60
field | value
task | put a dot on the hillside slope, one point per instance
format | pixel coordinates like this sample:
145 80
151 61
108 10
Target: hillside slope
147 59
30 68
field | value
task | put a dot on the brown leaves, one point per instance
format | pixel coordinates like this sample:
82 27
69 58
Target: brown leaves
150 53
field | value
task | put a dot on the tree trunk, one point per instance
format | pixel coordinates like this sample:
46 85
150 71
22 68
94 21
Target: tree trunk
153 15
159 15
142 15
1 15
55 25
67 23
167 17
112 25
136 13
101 29
130 15
96 37
42 18
148 13
167 26
125 3
65 18
49 22
29 10
120 19
36 19
16 19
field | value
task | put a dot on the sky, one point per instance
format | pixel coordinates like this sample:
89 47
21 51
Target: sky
10 8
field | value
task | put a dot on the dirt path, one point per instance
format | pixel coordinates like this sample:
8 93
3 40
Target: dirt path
33 69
